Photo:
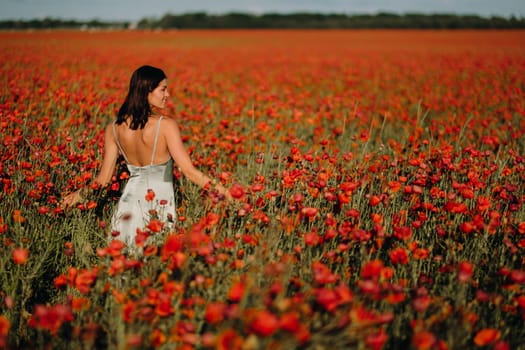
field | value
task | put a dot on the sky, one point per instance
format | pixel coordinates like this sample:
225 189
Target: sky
132 10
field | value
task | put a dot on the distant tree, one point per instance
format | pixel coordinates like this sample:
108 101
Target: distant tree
202 20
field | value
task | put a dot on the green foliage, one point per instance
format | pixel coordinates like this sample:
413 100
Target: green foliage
234 20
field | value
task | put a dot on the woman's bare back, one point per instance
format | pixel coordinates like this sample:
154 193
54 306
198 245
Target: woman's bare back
138 145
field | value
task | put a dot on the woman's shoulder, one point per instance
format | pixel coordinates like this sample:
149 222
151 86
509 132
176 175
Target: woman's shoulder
168 121
169 127
110 126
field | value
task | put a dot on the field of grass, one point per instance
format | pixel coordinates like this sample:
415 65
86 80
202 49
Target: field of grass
380 178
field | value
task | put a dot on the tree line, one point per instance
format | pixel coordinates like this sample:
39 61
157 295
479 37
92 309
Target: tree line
202 20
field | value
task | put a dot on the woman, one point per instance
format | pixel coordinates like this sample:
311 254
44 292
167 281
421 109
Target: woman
150 144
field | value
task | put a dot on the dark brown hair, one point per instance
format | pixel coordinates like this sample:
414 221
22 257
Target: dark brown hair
143 81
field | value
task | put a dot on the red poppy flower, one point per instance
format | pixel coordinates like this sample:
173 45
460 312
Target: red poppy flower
290 321
309 212
375 200
327 298
215 312
372 269
157 338
229 340
236 191
322 274
264 323
312 239
423 340
174 243
521 227
20 255
163 306
155 225
50 318
376 340
399 256
150 195
80 304
465 272
236 292
17 216
134 340
486 336
85 279
5 325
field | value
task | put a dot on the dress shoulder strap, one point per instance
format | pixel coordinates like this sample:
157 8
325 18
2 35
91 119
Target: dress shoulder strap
155 142
118 143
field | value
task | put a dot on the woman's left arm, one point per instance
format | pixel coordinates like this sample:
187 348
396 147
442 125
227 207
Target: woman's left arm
177 151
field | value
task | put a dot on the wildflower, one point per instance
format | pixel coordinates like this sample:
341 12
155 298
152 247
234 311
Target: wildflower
50 318
423 340
402 233
312 239
237 191
17 216
467 227
215 312
3 227
236 292
173 244
115 248
375 200
229 340
20 256
421 303
486 336
323 274
80 304
455 208
517 276
264 323
372 269
155 225
370 287
85 279
157 338
521 227
309 212
465 271
344 294
297 198
150 250
163 305
399 256
150 195
257 188
420 253
483 204
327 298
376 340
290 322
5 325
134 340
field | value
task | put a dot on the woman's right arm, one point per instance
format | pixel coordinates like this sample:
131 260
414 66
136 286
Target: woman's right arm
106 170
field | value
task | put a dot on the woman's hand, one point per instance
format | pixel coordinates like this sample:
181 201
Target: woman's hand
71 199
213 185
226 193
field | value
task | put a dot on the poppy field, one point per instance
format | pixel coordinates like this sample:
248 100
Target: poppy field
378 177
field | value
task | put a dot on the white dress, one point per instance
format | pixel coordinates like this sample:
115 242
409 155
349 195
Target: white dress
133 210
